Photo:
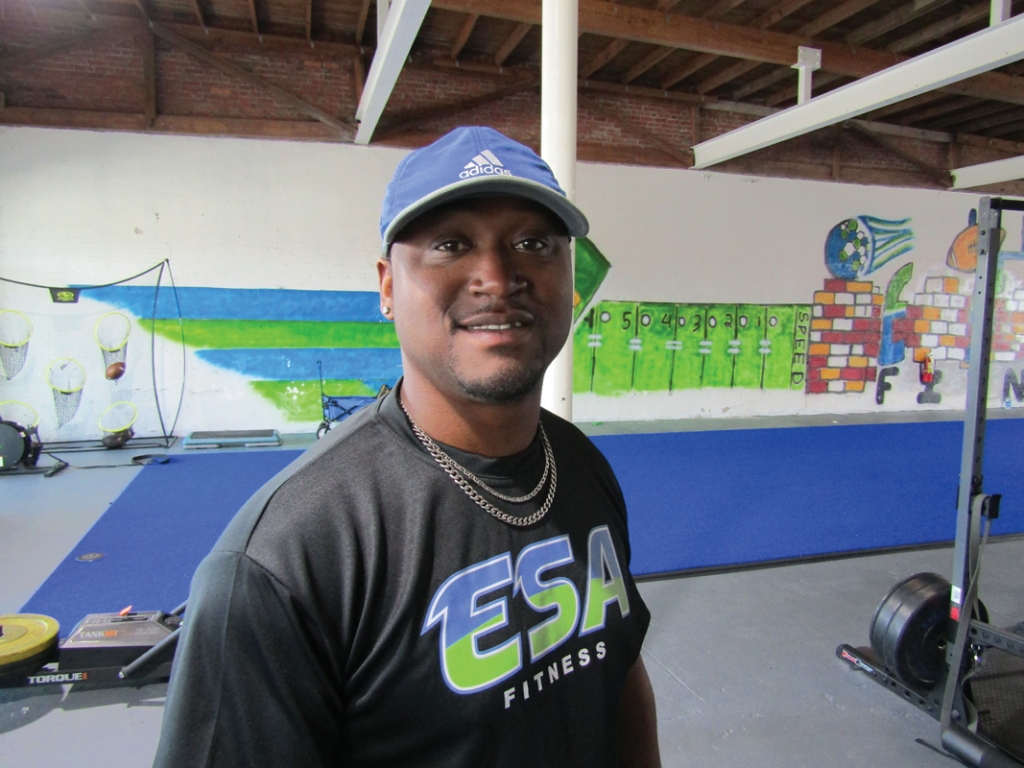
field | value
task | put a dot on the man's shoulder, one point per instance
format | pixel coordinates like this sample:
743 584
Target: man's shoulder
324 476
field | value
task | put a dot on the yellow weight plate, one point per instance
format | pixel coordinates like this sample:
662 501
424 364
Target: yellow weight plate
25 635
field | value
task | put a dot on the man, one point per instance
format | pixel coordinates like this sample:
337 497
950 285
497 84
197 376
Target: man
443 581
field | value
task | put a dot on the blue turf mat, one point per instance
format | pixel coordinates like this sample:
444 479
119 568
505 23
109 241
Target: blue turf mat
696 500
712 499
154 535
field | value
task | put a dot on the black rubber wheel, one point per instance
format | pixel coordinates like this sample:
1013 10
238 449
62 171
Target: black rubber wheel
14 444
909 628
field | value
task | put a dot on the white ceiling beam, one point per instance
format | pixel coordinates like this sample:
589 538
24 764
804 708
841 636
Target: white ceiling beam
403 24
983 51
995 172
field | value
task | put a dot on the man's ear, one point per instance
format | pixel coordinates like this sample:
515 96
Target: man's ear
384 277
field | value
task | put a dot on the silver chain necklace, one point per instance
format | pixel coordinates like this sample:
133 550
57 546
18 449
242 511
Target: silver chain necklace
459 474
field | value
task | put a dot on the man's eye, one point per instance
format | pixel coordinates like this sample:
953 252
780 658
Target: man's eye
531 244
449 246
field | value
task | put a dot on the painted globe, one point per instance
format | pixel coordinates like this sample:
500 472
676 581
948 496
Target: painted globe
848 249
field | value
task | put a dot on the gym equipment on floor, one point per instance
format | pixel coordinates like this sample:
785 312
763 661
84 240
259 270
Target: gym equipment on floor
126 648
931 643
19 449
233 438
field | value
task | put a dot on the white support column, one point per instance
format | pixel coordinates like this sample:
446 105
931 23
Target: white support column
808 60
560 22
1000 12
383 6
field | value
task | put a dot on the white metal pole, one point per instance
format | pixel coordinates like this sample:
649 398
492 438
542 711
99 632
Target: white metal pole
383 6
559 35
1000 12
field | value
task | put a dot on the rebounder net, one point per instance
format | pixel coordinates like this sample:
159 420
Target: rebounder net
82 363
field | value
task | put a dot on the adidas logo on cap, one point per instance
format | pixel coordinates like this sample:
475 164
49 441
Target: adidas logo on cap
484 164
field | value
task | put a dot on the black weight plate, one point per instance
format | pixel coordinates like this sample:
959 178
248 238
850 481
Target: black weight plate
909 629
14 443
891 603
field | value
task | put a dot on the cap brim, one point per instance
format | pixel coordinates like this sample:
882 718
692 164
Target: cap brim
573 218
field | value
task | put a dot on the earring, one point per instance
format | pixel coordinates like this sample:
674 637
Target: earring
386 310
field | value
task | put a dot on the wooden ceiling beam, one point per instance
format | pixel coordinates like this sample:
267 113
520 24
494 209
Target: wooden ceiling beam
364 12
254 17
925 115
648 61
309 20
940 28
986 108
199 13
909 42
1005 130
995 119
694 65
463 35
609 52
201 54
827 20
513 40
903 106
892 20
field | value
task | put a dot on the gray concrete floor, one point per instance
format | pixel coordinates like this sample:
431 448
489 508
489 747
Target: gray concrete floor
743 663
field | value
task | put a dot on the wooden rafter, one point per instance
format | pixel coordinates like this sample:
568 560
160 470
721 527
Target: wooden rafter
903 106
924 115
513 40
692 66
254 17
309 20
829 19
892 20
199 13
364 11
609 52
940 177
997 118
1010 128
202 54
415 118
701 60
984 110
648 61
909 42
463 36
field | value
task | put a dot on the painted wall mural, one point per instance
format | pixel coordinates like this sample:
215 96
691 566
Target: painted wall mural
854 338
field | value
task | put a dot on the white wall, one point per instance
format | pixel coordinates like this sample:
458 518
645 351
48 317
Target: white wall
80 207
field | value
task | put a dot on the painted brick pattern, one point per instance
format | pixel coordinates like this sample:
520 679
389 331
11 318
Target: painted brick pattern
846 333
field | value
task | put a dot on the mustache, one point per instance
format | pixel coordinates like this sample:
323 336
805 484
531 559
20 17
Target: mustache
512 311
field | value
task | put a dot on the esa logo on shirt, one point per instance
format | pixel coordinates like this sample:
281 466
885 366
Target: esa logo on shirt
463 619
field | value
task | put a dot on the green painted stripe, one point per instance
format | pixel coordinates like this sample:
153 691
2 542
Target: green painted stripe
300 400
278 334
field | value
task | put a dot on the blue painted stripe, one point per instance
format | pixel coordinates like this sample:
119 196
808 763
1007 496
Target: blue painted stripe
296 364
243 303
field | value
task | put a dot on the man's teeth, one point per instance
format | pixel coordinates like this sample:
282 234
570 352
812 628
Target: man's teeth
502 327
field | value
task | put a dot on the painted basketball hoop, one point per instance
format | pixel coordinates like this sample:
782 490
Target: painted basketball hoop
112 332
15 330
116 422
66 378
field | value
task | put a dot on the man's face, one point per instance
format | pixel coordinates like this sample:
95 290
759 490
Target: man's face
481 292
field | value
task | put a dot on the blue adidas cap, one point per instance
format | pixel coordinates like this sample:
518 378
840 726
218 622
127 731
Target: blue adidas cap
469 162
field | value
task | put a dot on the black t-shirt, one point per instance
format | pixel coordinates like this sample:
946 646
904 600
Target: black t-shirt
362 610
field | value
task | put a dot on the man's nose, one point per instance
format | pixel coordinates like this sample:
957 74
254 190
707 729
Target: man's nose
496 271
